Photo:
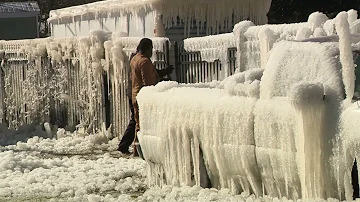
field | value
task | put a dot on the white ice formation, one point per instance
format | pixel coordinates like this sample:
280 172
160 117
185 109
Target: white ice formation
272 128
281 128
60 80
214 13
254 43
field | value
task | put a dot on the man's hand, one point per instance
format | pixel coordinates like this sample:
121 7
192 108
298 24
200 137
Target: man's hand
169 69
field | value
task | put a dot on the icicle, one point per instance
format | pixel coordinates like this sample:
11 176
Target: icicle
266 37
311 119
346 57
216 14
239 31
159 26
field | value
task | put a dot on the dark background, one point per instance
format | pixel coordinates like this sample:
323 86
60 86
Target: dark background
15 28
287 11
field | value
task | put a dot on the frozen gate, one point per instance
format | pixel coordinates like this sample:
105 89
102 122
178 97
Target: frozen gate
190 68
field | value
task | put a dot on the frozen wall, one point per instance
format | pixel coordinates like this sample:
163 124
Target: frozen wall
215 13
133 25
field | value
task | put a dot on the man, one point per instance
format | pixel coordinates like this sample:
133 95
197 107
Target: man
129 134
143 73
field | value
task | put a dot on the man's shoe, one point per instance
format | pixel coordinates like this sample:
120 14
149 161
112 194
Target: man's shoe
124 151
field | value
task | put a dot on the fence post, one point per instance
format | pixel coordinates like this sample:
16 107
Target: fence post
2 96
52 105
177 62
167 57
167 54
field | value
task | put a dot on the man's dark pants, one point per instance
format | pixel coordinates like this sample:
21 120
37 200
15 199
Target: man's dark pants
129 134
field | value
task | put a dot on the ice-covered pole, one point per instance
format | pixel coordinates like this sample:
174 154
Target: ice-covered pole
239 32
2 57
346 57
159 26
267 39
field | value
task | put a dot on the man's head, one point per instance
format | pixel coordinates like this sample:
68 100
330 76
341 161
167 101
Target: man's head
145 47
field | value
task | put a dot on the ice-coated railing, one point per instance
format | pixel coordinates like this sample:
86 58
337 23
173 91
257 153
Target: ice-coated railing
70 82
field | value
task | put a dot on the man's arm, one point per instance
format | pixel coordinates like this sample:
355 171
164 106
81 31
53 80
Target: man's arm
148 73
164 72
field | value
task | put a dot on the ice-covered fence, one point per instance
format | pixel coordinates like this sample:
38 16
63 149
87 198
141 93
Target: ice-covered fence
255 42
209 58
54 80
160 51
70 82
23 99
203 59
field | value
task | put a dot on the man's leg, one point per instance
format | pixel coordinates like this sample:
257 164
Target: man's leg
136 117
129 134
137 127
355 180
137 147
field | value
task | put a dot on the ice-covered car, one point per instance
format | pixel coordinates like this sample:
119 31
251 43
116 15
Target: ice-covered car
286 130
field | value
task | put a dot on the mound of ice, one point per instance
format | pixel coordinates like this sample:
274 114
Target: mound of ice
316 19
243 84
311 62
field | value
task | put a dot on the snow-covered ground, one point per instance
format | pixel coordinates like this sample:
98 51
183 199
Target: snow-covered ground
79 167
72 166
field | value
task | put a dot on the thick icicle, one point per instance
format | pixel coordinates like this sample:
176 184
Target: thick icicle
346 57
